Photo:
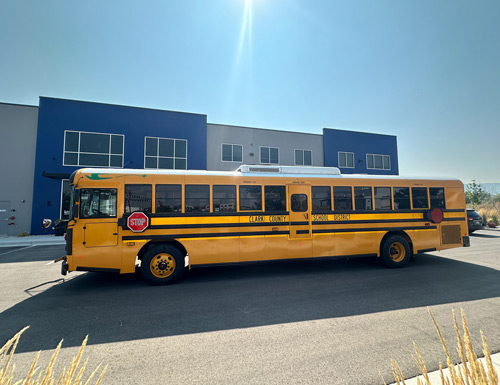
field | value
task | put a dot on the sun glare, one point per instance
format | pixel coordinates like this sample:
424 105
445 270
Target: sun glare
241 77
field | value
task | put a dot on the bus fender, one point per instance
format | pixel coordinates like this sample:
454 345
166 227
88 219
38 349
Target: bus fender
173 242
396 232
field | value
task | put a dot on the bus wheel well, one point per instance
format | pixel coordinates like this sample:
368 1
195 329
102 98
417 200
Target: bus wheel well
400 233
150 244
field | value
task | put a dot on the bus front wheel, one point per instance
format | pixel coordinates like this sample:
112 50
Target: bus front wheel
395 252
162 264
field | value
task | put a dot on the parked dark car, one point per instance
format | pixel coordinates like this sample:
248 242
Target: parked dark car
474 220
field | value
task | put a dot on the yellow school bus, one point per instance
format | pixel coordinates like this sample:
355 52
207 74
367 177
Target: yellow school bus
163 221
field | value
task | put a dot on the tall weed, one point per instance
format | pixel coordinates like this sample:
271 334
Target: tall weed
36 376
471 371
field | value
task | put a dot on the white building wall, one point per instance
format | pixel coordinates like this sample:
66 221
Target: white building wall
252 139
18 128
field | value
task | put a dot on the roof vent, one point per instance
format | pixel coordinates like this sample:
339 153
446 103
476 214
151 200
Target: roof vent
246 169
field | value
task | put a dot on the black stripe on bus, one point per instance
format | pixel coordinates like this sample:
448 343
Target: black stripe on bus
380 221
327 231
217 214
416 211
204 235
314 212
257 233
218 225
286 223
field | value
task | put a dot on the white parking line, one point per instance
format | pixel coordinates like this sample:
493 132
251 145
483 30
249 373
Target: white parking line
22 248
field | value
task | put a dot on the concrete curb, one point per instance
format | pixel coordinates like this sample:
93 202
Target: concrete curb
33 240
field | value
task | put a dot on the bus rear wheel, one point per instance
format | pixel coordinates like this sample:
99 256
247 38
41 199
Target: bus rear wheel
162 264
395 252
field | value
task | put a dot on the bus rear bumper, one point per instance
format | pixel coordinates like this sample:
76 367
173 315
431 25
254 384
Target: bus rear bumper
466 241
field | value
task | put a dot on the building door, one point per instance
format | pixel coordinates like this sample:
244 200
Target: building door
4 217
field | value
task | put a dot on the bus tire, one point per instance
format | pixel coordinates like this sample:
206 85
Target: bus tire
162 264
395 252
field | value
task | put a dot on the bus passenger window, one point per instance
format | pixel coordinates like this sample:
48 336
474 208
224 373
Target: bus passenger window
437 197
138 197
168 198
342 198
401 198
98 203
197 198
363 198
321 198
299 203
250 198
383 198
224 198
275 198
419 197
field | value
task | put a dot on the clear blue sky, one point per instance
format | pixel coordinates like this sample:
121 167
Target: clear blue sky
427 71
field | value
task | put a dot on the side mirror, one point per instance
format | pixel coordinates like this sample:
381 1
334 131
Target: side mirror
74 213
77 195
46 223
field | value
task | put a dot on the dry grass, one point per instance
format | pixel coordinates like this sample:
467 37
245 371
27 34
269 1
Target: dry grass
471 371
490 214
72 376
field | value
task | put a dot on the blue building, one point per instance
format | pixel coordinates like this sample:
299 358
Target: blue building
42 145
360 152
73 134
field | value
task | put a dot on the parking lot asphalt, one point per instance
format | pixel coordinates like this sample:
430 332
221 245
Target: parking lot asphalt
322 321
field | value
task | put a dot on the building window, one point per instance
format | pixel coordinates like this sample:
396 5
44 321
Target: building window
269 155
92 149
303 157
165 153
232 153
346 159
378 162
